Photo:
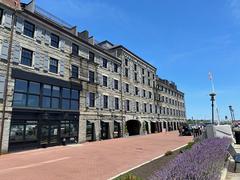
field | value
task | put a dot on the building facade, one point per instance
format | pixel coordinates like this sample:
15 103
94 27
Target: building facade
58 86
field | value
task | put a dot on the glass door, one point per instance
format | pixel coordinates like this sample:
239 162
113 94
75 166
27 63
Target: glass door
54 135
44 136
49 135
104 130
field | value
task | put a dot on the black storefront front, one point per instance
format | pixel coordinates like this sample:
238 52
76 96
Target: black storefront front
36 129
45 111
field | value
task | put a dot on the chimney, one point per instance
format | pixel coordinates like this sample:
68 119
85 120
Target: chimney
14 4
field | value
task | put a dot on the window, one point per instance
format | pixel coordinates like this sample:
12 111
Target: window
91 56
26 58
27 93
74 71
143 71
91 99
1 15
116 103
31 132
115 84
127 105
91 77
105 101
137 106
148 74
149 82
17 133
54 40
115 67
150 108
75 49
127 87
126 72
135 76
135 67
126 62
150 95
53 66
105 80
144 93
105 62
136 91
143 80
156 109
29 29
145 107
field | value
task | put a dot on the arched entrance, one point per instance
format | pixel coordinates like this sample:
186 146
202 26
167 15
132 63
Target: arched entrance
133 127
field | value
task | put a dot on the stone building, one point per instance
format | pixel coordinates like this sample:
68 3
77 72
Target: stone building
58 86
170 104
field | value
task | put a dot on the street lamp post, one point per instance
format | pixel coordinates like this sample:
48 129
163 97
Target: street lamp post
212 95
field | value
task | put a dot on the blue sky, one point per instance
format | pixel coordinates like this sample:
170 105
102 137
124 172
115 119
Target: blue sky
183 39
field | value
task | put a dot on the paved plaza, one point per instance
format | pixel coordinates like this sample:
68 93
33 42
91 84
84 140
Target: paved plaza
96 160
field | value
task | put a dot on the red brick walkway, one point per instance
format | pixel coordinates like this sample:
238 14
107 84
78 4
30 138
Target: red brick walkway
98 160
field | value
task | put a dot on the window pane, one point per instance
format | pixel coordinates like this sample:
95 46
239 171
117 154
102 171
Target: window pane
54 40
75 49
55 103
26 58
33 101
31 132
20 85
74 105
65 104
46 90
55 91
66 93
46 102
19 99
73 129
75 94
34 88
74 71
29 29
65 130
53 65
16 133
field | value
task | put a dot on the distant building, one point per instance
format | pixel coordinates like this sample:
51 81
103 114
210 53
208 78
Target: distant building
60 86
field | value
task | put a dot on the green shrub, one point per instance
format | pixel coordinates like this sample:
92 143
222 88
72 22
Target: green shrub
168 153
128 176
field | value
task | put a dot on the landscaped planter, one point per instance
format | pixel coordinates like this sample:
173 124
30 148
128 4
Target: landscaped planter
205 160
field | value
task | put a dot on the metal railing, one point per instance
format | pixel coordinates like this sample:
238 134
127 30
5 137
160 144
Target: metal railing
51 17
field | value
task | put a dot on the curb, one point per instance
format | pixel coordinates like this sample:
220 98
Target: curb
124 172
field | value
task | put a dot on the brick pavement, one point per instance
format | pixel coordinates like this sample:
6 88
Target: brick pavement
89 161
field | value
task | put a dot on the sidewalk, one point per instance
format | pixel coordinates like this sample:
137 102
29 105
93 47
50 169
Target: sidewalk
97 160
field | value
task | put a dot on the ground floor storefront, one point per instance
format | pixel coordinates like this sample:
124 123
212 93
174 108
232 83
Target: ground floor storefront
32 128
36 129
